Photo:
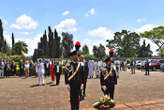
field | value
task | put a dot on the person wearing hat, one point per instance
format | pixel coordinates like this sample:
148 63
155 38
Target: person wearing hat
108 78
74 80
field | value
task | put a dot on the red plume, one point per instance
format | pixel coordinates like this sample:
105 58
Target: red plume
111 50
78 43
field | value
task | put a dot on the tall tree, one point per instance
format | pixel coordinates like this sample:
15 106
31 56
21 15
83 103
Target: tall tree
85 50
21 48
95 51
13 43
156 35
144 50
161 52
101 51
45 44
57 45
1 36
125 43
67 44
51 42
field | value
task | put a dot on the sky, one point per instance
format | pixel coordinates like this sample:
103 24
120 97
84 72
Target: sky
90 21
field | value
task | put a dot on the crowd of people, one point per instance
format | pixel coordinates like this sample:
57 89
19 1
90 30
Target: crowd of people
76 72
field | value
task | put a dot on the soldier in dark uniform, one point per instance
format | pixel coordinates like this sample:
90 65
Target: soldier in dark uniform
75 80
108 78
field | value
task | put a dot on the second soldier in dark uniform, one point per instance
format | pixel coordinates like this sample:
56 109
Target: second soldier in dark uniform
108 78
76 82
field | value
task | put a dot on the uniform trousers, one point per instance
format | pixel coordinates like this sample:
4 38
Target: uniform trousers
75 94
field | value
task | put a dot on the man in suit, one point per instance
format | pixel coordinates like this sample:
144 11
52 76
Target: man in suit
75 80
85 70
108 78
58 72
47 67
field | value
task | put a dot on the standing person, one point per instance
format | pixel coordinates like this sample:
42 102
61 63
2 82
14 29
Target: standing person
47 67
91 68
132 66
21 68
85 70
13 68
147 67
66 64
52 73
117 63
41 72
97 69
108 78
26 68
75 80
37 67
31 68
125 65
58 72
2 66
7 69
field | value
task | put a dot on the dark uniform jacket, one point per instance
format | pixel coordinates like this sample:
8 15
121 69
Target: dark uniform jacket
147 65
78 78
55 69
85 69
111 79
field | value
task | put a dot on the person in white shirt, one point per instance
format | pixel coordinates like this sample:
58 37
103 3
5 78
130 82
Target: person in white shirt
117 63
26 67
41 72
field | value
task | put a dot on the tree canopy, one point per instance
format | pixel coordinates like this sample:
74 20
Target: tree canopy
125 43
156 35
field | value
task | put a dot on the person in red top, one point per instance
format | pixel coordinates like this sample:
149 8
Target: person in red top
52 71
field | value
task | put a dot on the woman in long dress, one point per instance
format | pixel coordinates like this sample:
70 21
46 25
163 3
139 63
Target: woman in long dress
91 68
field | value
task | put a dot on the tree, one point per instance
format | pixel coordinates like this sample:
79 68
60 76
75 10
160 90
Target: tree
85 50
51 42
156 35
95 51
13 43
161 52
125 43
101 51
144 51
4 47
1 36
21 48
67 44
57 45
45 44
